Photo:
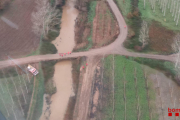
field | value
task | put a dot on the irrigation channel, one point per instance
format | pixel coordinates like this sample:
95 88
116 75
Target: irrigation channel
63 76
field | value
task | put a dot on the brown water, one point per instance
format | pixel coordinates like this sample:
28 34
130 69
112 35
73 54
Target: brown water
63 76
65 41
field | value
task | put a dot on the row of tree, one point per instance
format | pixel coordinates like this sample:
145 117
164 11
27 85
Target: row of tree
144 34
172 5
176 48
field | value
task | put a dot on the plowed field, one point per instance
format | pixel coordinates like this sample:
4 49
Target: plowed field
19 40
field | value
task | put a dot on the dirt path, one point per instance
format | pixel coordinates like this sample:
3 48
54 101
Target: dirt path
114 48
85 93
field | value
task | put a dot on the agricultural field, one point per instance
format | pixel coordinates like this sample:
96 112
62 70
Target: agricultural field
162 25
20 94
17 37
105 27
132 94
164 12
15 92
95 27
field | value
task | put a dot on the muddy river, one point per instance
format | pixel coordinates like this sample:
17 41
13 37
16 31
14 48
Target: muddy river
63 76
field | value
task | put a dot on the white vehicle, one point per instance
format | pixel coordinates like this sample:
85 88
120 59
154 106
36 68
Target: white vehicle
32 70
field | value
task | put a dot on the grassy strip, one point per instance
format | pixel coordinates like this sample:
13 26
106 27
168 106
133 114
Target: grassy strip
108 99
33 100
37 99
131 100
125 6
142 93
91 11
119 89
91 15
148 14
168 67
39 95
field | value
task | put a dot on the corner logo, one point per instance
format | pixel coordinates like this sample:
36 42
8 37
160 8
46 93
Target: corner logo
176 111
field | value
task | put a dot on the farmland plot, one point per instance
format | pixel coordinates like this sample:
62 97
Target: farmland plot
131 98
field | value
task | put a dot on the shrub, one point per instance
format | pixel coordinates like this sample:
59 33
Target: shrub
47 48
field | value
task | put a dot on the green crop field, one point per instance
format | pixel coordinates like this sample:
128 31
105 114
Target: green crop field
16 92
130 90
13 92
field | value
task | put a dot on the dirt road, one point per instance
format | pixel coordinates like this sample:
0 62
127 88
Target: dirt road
85 93
114 48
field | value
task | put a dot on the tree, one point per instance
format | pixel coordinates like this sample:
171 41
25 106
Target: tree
45 18
178 17
144 34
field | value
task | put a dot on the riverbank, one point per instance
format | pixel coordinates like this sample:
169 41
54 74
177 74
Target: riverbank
62 78
76 63
43 83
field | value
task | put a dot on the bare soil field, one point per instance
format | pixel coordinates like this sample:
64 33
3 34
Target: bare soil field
105 26
20 41
161 38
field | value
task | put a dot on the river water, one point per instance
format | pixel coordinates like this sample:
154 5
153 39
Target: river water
63 76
